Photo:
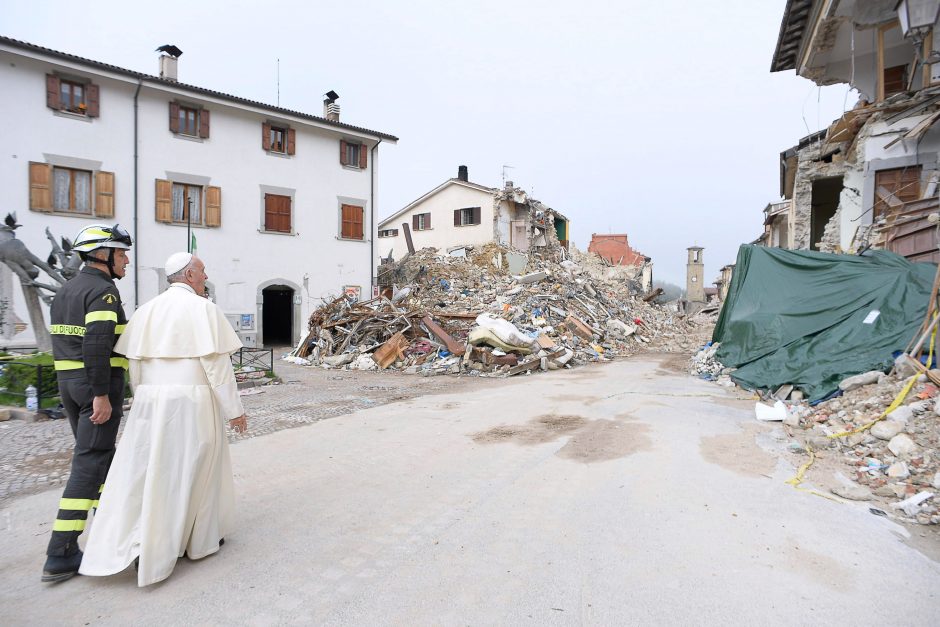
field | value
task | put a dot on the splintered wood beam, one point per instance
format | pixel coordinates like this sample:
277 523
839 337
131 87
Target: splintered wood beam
435 329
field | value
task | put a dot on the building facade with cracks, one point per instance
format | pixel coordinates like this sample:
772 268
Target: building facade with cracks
869 179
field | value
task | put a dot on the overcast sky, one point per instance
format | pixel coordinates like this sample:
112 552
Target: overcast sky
656 119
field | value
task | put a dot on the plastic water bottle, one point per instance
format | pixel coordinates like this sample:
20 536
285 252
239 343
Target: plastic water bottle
32 399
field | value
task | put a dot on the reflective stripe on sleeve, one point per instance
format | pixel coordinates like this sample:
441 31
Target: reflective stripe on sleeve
119 362
101 316
119 329
68 525
81 505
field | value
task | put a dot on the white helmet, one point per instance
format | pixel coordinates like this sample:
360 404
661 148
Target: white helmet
98 236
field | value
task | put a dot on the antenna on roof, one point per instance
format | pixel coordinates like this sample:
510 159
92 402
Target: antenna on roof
279 81
504 172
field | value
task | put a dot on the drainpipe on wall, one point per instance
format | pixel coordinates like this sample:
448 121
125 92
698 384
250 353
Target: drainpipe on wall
372 244
136 239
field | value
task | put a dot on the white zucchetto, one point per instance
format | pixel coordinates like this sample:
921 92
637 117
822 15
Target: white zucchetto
176 262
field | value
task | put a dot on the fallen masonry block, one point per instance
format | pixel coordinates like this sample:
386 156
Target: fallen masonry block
533 277
578 328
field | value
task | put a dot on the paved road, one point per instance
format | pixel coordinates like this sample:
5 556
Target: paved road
36 456
607 495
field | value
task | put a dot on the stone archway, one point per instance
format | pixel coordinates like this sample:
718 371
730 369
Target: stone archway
275 292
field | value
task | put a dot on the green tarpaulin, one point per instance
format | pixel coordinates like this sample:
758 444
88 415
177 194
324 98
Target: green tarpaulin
813 319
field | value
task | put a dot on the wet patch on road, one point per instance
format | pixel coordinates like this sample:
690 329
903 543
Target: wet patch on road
603 440
591 440
739 452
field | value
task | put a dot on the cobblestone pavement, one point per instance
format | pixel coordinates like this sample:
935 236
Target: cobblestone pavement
35 456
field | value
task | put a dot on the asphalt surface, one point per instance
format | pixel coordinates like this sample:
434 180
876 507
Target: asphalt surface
620 494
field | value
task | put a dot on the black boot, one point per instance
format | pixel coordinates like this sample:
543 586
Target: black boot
61 567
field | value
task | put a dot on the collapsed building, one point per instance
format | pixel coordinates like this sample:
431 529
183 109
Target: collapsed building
870 178
623 261
460 213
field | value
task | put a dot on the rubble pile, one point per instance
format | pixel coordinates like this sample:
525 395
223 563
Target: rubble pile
897 459
705 365
491 311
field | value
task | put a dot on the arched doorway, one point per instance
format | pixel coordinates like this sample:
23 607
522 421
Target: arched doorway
277 315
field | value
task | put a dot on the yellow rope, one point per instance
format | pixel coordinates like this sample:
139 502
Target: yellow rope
798 478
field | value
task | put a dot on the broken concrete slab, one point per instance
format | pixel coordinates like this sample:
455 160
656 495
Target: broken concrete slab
533 277
857 381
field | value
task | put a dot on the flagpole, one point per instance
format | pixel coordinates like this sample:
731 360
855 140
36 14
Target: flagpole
189 215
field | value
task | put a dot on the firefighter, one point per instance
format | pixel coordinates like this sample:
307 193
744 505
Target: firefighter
87 318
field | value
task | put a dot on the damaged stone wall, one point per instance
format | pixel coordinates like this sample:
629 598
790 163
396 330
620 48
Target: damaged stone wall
511 206
810 168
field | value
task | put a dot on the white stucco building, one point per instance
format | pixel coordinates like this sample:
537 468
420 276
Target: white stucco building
281 203
459 213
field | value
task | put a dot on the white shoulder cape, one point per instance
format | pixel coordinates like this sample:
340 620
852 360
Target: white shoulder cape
196 325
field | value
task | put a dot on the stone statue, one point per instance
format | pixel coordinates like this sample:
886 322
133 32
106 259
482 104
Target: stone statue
26 266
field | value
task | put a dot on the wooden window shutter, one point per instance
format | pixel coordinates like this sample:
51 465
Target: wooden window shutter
291 141
427 220
363 156
456 217
91 97
204 124
164 201
174 117
213 206
52 92
342 152
414 222
104 195
265 136
476 216
358 216
40 187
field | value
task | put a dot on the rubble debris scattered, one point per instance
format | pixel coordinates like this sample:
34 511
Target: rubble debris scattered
446 314
896 460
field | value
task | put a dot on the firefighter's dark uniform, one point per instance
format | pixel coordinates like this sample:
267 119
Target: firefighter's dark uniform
87 318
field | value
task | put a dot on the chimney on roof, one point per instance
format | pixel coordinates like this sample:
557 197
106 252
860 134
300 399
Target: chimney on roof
462 173
330 108
168 61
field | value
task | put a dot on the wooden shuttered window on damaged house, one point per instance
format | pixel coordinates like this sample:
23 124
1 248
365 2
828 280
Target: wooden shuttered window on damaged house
204 123
91 100
213 206
277 213
40 187
472 214
174 117
265 136
351 222
104 194
164 201
345 155
421 222
902 183
54 96
291 141
52 92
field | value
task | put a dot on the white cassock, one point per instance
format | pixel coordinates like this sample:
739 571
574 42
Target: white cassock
169 490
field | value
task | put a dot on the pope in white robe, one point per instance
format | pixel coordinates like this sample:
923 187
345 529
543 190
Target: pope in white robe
169 491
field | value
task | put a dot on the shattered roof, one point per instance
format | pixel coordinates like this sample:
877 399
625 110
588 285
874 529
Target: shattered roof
15 43
792 27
